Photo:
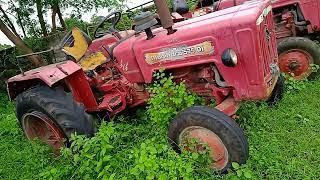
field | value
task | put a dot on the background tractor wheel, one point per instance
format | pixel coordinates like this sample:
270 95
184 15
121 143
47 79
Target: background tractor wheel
278 91
296 54
224 137
52 115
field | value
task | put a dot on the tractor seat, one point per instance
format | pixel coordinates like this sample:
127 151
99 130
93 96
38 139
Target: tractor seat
75 43
94 56
86 52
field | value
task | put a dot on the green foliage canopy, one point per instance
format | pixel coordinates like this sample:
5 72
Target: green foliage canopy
4 46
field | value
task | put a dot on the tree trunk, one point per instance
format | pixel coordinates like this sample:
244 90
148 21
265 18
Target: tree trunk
17 11
13 29
63 24
36 60
21 25
53 17
40 17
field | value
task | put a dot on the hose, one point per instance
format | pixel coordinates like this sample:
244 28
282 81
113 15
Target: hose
296 22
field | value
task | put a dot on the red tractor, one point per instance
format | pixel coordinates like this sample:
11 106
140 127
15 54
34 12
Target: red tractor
297 25
229 56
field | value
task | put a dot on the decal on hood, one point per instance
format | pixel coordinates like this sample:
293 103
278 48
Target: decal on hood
180 53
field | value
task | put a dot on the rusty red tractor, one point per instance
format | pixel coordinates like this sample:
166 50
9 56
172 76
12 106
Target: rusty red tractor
229 56
297 26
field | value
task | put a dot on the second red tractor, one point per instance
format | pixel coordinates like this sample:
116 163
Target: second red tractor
297 29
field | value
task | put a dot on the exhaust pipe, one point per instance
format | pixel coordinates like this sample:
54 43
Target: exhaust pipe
165 15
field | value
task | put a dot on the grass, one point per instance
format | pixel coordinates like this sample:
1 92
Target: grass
19 159
284 140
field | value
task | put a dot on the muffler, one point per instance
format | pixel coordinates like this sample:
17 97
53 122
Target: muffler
165 15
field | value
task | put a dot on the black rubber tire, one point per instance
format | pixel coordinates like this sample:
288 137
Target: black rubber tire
59 107
305 44
222 125
278 91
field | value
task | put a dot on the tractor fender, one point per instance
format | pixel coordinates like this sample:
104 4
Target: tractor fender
69 71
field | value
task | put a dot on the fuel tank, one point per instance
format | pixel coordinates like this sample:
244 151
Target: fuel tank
247 29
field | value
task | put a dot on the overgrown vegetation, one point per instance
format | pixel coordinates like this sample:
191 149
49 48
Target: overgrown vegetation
294 85
283 142
135 148
4 46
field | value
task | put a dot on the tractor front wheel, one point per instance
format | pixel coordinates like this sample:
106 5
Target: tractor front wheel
296 54
225 139
52 115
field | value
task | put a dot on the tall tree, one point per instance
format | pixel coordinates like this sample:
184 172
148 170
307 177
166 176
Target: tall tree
55 6
19 20
89 5
7 19
53 17
36 60
17 11
25 9
62 22
39 5
14 37
80 7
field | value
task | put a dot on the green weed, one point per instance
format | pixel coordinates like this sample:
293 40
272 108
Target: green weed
283 140
122 150
19 159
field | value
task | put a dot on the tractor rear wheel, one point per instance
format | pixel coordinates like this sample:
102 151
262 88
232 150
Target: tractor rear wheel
52 115
296 54
225 139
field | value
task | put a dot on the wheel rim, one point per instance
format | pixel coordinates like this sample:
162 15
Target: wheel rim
296 62
219 152
38 125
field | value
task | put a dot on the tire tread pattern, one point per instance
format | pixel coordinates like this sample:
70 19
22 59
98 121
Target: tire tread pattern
59 106
224 126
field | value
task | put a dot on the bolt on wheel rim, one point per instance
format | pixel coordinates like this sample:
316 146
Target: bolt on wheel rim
296 62
38 125
219 152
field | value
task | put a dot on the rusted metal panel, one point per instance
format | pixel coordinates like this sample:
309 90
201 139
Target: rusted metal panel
49 75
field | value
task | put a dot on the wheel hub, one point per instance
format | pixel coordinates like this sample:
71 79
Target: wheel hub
203 136
293 66
296 62
38 125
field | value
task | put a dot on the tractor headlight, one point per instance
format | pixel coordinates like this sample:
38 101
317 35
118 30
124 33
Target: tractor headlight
229 58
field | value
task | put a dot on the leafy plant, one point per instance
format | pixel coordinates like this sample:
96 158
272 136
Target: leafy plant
4 46
298 85
315 67
294 85
112 153
170 98
241 172
74 21
283 145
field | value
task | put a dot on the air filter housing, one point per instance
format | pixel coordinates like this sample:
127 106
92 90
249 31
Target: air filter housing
143 22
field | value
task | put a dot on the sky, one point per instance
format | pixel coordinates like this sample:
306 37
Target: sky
86 17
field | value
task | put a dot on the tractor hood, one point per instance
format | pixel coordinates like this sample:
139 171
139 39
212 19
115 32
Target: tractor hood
197 41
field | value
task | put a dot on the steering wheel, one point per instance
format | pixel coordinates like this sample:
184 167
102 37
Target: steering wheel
112 30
